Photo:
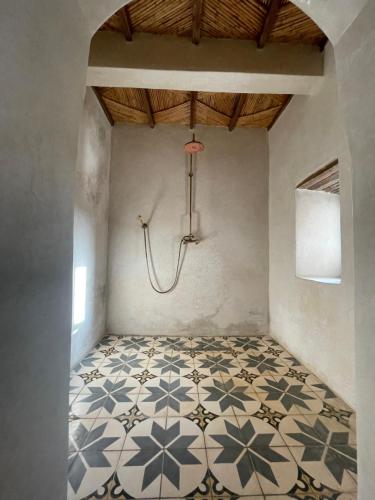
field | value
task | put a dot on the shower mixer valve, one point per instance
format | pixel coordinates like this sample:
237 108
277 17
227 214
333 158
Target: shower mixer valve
143 224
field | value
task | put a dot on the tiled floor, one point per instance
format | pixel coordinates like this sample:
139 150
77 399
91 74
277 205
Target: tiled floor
209 418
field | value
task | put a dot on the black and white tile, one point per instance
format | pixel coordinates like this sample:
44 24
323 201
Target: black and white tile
205 418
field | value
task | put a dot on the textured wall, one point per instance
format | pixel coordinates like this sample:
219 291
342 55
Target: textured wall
318 234
356 70
91 222
223 287
314 320
43 57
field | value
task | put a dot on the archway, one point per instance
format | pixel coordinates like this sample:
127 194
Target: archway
348 25
333 16
39 140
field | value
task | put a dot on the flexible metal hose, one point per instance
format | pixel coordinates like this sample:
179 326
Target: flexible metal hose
146 238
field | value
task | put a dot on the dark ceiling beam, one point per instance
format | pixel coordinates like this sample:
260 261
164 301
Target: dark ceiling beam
278 113
238 106
193 100
322 44
145 96
103 106
269 22
197 21
128 32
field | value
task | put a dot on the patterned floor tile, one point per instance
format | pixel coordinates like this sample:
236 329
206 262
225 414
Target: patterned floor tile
76 384
125 364
89 470
186 427
106 434
276 469
233 469
205 418
139 473
107 397
243 344
78 432
134 438
171 364
217 363
90 362
135 343
183 472
329 465
262 364
224 398
287 395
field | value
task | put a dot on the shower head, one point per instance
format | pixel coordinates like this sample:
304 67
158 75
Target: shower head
193 146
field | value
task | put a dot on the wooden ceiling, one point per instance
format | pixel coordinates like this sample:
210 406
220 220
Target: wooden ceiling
326 179
262 21
238 19
127 105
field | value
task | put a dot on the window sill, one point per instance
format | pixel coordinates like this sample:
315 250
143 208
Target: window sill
325 280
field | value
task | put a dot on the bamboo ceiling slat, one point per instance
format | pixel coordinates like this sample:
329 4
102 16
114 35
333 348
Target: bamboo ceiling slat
170 17
165 99
260 102
177 114
326 179
206 115
172 106
222 102
239 19
122 113
130 97
260 119
292 26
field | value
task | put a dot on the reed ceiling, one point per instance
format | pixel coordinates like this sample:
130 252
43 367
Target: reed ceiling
262 21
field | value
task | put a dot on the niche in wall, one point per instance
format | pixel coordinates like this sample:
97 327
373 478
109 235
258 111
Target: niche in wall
318 228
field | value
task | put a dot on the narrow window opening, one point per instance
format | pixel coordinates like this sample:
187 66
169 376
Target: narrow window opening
318 226
79 295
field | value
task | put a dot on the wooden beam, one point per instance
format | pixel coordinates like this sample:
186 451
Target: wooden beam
269 22
193 98
238 106
197 21
145 96
278 113
323 179
128 32
322 44
103 106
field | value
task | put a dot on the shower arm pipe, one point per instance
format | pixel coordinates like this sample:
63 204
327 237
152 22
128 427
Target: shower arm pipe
190 194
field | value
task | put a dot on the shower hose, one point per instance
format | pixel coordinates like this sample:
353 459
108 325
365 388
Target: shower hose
146 238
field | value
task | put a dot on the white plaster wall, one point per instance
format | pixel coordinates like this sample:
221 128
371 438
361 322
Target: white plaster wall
318 234
44 50
315 321
356 70
223 285
91 222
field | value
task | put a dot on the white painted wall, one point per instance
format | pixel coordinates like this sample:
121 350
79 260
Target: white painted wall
223 287
44 50
355 56
90 227
313 320
318 235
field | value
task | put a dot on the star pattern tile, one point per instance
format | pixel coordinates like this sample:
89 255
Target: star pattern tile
205 418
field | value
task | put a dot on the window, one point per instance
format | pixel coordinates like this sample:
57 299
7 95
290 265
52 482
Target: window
79 295
318 228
